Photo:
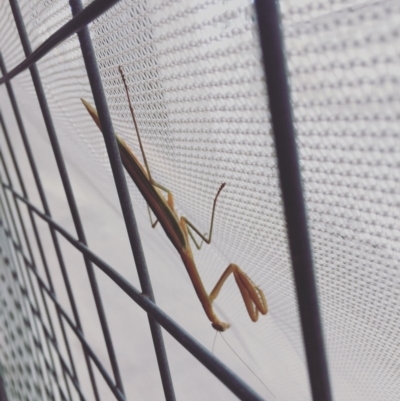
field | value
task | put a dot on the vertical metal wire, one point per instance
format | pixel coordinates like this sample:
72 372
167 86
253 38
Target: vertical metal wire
292 194
124 197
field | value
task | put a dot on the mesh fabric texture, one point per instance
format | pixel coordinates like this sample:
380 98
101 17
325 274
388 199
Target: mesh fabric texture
197 86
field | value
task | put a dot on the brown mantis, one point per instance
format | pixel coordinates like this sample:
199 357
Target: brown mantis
178 229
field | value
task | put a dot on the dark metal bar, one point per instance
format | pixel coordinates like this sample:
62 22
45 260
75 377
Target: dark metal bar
214 365
90 13
292 193
124 197
69 195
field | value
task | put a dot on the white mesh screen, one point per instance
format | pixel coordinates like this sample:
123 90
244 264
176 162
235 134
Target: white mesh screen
198 89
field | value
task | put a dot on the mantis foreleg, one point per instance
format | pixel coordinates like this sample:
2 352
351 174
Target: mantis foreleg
253 296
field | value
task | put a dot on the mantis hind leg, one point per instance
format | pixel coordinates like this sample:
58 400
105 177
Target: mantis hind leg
252 295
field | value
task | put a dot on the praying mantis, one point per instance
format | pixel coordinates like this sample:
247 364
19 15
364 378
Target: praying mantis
179 229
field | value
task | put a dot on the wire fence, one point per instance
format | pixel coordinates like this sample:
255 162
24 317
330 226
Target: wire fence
37 366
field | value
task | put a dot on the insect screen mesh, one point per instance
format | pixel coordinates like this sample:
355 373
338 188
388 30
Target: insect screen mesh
198 90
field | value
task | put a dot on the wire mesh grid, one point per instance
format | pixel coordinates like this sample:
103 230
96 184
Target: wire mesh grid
37 368
44 326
